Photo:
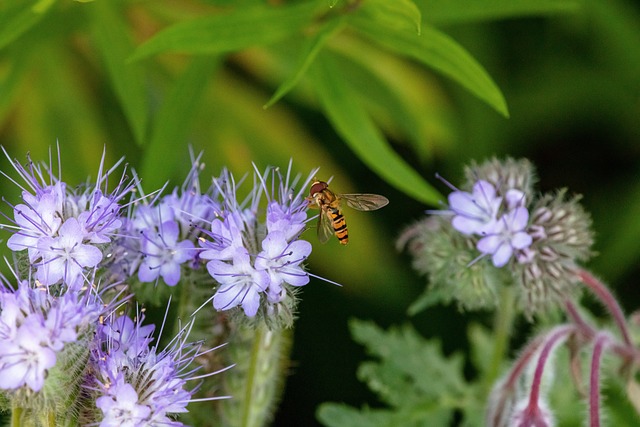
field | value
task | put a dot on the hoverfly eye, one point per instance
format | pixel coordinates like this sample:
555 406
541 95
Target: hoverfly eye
317 187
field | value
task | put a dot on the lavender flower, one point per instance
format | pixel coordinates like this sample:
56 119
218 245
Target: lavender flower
136 384
168 227
476 212
255 253
536 241
65 232
164 254
35 327
507 235
65 257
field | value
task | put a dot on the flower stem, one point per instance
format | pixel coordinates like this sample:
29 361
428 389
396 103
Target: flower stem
552 339
594 389
16 417
255 383
607 298
502 326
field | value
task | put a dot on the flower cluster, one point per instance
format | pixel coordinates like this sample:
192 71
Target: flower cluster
167 229
499 220
35 327
136 384
58 330
65 231
533 241
254 251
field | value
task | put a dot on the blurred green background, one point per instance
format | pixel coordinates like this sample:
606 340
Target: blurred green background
372 103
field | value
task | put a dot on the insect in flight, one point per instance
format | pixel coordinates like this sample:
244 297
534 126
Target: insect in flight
331 220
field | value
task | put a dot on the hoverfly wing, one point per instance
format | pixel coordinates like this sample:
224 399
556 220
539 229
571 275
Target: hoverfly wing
364 202
325 229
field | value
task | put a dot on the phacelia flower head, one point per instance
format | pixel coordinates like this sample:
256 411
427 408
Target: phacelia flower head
66 232
40 332
501 232
254 248
136 384
166 229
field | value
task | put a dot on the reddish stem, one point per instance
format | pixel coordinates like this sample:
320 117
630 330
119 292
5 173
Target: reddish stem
594 389
606 297
552 339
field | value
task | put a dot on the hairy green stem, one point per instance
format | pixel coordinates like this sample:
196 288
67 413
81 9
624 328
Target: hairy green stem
502 327
256 382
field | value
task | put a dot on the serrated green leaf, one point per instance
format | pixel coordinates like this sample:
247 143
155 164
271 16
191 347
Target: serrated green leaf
440 52
242 28
16 18
403 352
115 45
401 15
412 375
310 51
354 125
171 125
340 415
460 11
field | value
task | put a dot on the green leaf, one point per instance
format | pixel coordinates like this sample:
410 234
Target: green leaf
171 126
311 50
412 360
230 32
421 385
340 415
438 51
401 15
351 122
18 17
461 11
115 45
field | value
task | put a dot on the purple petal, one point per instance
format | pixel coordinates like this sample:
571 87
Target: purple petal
521 240
502 255
489 244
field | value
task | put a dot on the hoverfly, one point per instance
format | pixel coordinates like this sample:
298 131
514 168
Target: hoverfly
331 221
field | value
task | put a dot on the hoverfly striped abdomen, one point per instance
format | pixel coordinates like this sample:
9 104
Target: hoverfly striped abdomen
331 220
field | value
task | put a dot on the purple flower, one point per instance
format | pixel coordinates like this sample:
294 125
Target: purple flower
40 217
240 283
120 406
225 237
35 327
138 385
65 257
25 359
507 236
476 212
61 227
284 218
168 228
163 254
254 252
282 260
